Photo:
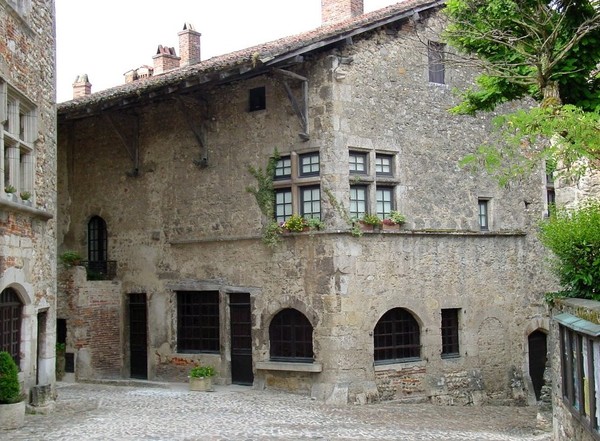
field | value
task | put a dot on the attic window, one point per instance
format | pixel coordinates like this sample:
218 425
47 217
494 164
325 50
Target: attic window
257 99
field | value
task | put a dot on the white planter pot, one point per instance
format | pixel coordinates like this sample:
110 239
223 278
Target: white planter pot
12 416
201 384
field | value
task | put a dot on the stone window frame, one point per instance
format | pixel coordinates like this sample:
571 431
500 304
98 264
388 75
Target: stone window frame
397 337
374 180
291 337
579 355
198 322
450 332
296 182
19 131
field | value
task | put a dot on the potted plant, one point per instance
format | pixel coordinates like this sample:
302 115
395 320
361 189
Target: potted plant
394 221
370 222
315 224
26 197
12 401
10 192
201 378
70 258
295 224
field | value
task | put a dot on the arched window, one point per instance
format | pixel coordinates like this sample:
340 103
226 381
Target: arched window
10 323
97 245
290 334
397 337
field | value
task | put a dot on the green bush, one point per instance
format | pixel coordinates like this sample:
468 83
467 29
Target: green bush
202 372
573 235
70 258
10 390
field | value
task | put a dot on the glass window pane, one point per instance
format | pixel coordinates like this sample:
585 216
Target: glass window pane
309 164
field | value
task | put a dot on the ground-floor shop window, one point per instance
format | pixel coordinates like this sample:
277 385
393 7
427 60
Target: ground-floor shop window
290 335
198 321
397 337
580 370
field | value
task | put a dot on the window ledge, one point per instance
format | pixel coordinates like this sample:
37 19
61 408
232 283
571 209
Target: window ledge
287 366
19 207
399 365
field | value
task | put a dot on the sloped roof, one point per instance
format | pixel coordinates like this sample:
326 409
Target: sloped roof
250 60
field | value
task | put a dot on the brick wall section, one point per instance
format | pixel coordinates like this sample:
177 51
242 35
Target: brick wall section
189 47
94 323
401 382
338 10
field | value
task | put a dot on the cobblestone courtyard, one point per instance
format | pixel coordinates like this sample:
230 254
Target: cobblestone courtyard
105 412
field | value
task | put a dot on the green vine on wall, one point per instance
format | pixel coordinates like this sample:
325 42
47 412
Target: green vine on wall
264 194
339 207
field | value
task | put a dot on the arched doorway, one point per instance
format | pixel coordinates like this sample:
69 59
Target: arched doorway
10 319
538 353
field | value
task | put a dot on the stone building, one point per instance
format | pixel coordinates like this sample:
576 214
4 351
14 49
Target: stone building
28 195
153 180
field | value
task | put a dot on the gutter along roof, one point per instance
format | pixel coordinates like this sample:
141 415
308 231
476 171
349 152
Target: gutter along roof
238 65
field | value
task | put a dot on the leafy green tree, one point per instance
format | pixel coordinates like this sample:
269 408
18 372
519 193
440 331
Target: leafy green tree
547 51
574 238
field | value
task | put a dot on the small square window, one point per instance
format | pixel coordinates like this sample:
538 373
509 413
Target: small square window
283 168
258 99
383 164
309 164
358 162
484 214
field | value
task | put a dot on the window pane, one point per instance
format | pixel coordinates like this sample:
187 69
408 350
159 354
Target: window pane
483 214
358 201
311 202
383 164
283 169
384 202
449 331
309 164
436 62
358 162
283 204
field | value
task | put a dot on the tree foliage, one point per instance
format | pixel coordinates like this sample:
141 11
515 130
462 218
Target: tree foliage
547 51
574 238
10 390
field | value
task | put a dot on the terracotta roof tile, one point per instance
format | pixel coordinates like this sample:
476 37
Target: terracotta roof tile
264 51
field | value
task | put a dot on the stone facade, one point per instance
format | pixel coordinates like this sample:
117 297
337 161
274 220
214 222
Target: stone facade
182 221
28 190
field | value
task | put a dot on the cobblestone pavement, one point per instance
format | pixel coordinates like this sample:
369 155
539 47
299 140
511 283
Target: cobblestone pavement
107 412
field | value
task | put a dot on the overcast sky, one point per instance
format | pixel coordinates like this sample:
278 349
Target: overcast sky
106 38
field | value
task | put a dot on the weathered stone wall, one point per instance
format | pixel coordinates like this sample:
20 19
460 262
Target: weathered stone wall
181 227
27 230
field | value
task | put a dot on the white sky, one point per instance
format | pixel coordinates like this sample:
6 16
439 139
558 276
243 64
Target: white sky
106 38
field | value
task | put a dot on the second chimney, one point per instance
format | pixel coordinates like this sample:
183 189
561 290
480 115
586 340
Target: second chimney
189 45
333 11
165 59
81 86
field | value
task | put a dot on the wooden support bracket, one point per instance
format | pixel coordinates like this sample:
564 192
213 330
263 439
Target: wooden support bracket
300 106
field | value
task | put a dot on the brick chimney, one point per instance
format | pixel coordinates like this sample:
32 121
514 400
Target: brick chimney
333 11
165 59
81 86
189 45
